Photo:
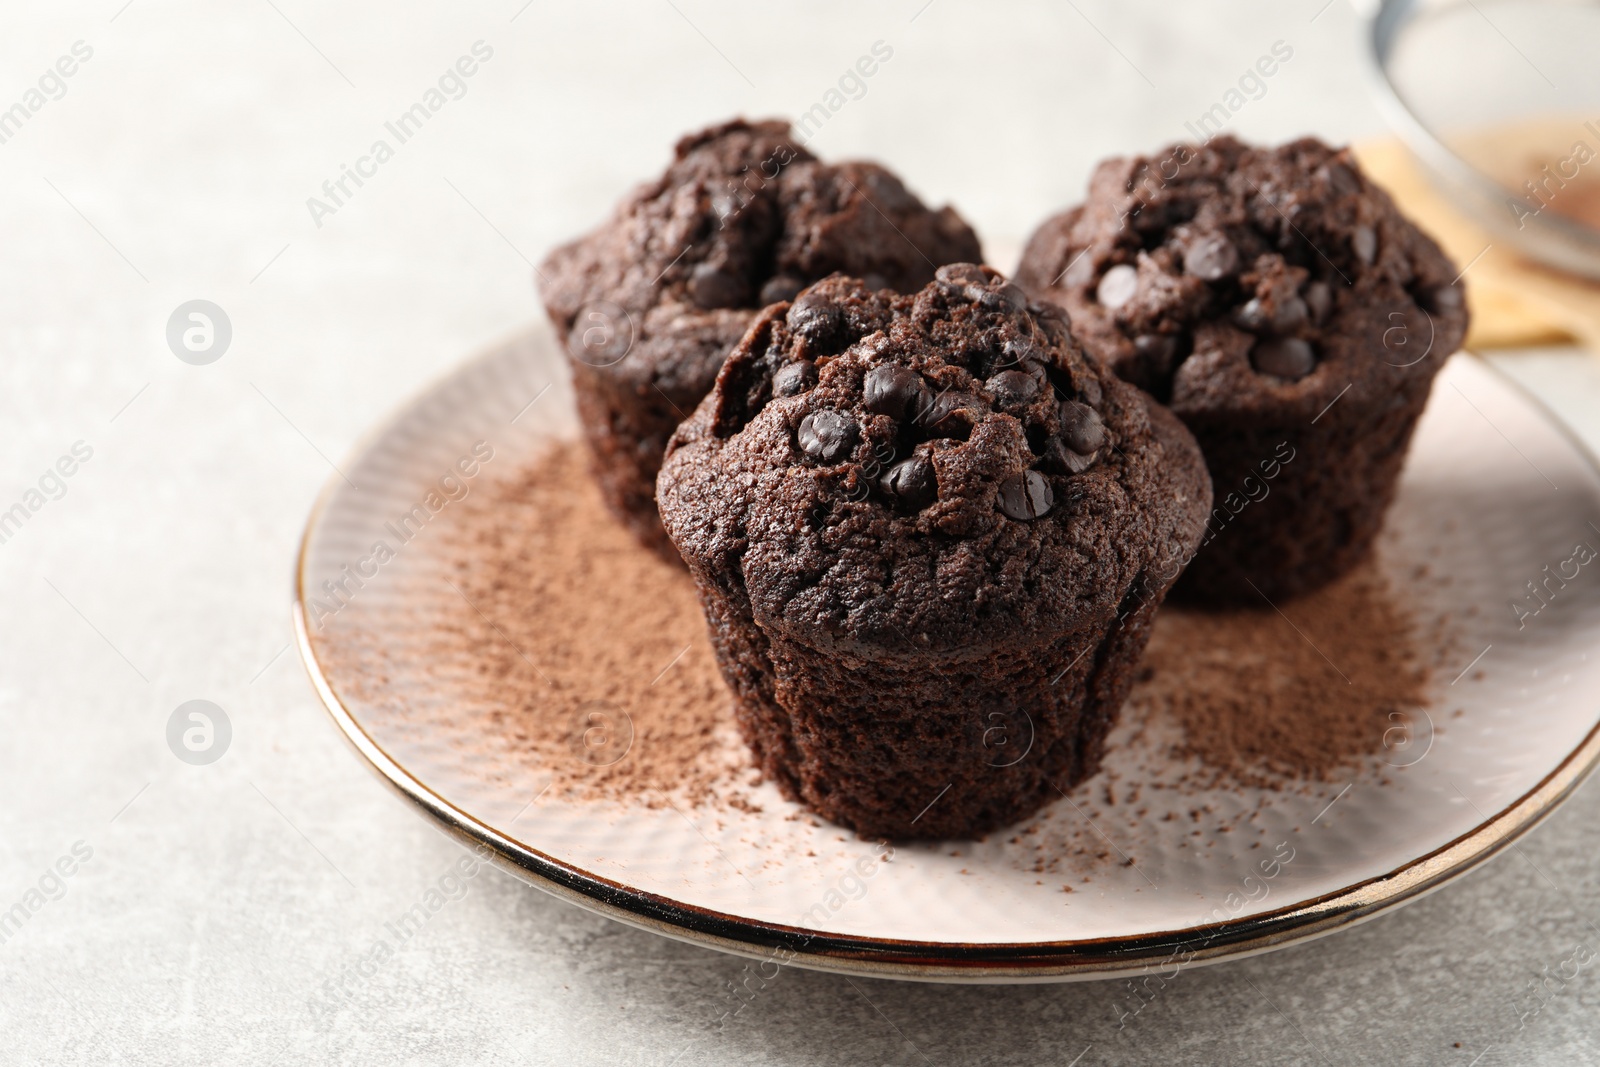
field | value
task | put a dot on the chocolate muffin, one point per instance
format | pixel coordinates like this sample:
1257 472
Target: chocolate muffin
1288 314
929 535
651 302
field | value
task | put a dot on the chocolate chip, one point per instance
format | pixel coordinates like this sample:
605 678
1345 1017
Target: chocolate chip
1026 496
1364 243
893 391
1156 356
1055 323
1252 315
1319 300
1080 269
794 378
1341 179
1211 257
1063 460
1081 427
780 288
827 435
712 287
1019 351
944 414
1157 350
1089 389
962 274
1007 297
1290 315
1283 357
1013 388
1120 285
912 482
1271 315
1444 298
814 317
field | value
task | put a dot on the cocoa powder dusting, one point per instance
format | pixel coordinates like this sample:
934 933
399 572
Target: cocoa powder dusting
582 655
595 635
557 616
1298 693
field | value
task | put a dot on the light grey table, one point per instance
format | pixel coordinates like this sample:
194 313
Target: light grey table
208 906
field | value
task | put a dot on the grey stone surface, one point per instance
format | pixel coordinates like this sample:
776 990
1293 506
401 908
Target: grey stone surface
217 901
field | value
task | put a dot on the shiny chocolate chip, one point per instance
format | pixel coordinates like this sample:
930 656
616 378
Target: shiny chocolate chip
1444 298
794 378
1290 315
827 435
1013 388
944 415
1283 357
1059 458
1026 496
1089 388
894 391
1019 350
1211 258
1120 285
1055 323
1081 427
1080 269
1157 350
1252 315
961 274
1006 297
1319 300
1364 243
814 317
911 482
1341 179
1272 316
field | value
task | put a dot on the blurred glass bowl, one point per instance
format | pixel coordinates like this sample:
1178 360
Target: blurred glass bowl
1500 100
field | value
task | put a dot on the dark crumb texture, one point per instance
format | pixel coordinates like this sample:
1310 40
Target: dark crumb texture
929 535
1291 317
652 301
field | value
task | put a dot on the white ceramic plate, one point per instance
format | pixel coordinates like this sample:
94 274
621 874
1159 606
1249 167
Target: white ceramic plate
1493 492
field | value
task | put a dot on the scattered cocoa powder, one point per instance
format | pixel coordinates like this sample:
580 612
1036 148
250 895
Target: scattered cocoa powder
545 613
587 657
1297 691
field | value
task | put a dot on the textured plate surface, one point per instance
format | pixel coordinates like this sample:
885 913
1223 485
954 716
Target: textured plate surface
1493 494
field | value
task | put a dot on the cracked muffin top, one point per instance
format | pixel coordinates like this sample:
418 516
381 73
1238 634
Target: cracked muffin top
939 472
743 217
1225 277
